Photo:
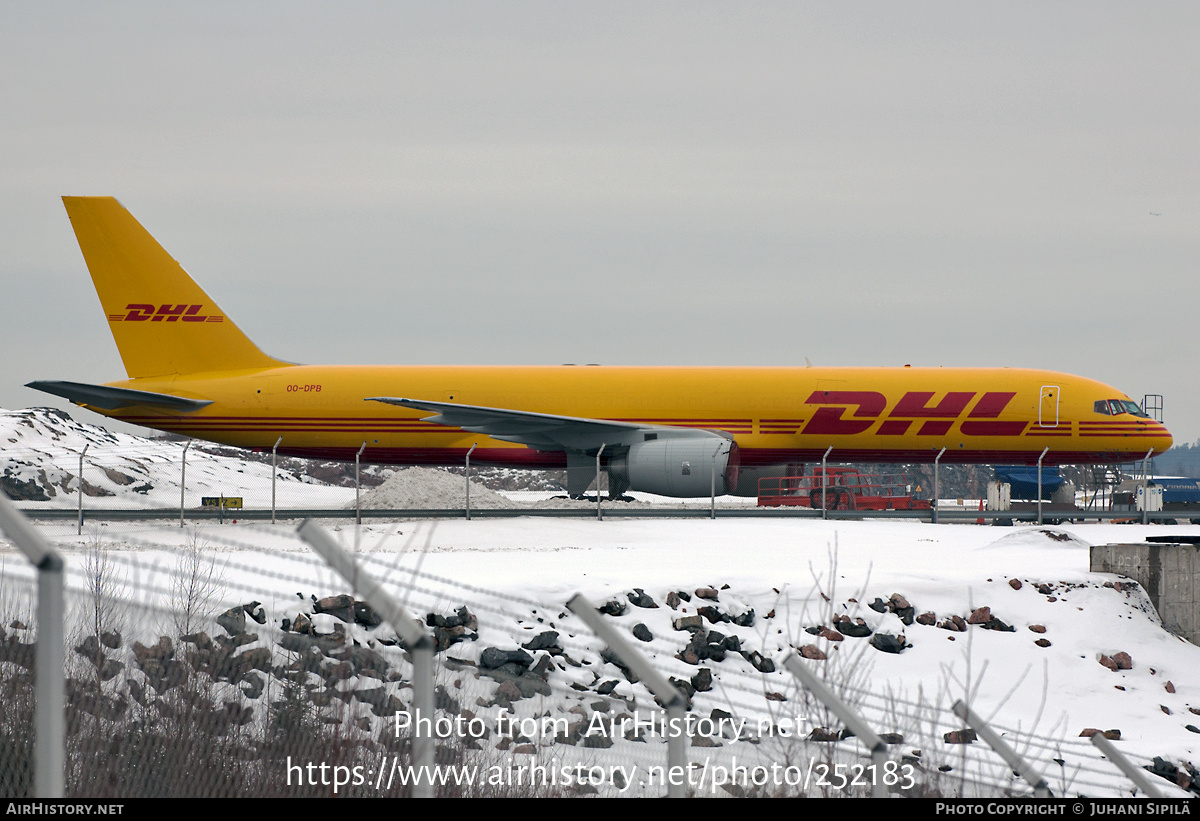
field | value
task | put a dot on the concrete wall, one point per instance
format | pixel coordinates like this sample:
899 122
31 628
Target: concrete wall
1170 575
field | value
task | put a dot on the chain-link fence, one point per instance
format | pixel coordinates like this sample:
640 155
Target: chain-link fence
64 470
203 665
177 476
55 467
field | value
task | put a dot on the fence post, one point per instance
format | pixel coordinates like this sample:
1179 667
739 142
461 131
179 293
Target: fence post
713 482
49 721
469 452
862 731
1017 764
599 512
418 642
1131 770
666 692
1146 487
273 472
81 455
937 486
1040 458
183 480
824 483
357 509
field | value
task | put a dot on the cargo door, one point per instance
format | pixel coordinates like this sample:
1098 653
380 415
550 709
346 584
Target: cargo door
1048 407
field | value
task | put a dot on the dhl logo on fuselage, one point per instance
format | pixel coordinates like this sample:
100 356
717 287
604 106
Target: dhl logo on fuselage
913 407
139 312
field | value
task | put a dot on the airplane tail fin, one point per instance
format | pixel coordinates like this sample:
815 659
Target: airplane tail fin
162 321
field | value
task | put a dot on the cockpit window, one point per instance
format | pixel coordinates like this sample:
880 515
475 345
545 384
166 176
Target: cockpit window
1115 407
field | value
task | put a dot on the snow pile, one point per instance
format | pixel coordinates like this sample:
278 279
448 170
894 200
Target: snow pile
429 489
416 488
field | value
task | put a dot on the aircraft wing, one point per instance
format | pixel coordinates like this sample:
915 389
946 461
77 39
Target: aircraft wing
109 398
542 431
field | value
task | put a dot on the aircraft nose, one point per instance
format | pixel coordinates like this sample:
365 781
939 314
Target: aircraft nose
1166 441
1159 438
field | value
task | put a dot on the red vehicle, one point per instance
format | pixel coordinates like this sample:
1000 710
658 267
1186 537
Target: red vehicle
840 488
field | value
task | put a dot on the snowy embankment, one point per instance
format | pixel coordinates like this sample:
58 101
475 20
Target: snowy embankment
1034 666
40 450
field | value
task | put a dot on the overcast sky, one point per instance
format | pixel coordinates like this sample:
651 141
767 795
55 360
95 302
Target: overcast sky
623 183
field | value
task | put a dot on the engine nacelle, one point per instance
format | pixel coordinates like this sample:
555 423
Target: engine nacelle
680 467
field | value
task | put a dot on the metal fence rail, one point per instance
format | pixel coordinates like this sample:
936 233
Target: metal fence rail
612 512
132 479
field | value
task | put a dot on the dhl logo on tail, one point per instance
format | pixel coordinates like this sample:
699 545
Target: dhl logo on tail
169 313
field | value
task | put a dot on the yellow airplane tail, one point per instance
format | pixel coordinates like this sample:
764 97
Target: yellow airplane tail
162 321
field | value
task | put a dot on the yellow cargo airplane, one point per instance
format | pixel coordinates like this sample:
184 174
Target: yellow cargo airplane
661 430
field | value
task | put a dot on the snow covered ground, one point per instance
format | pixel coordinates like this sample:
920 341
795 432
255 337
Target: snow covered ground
796 575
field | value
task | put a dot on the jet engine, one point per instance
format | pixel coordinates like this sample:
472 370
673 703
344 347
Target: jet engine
683 467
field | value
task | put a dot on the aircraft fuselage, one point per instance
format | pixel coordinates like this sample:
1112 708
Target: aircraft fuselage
776 415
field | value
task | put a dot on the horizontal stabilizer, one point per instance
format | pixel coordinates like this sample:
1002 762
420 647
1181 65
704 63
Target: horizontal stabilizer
108 398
